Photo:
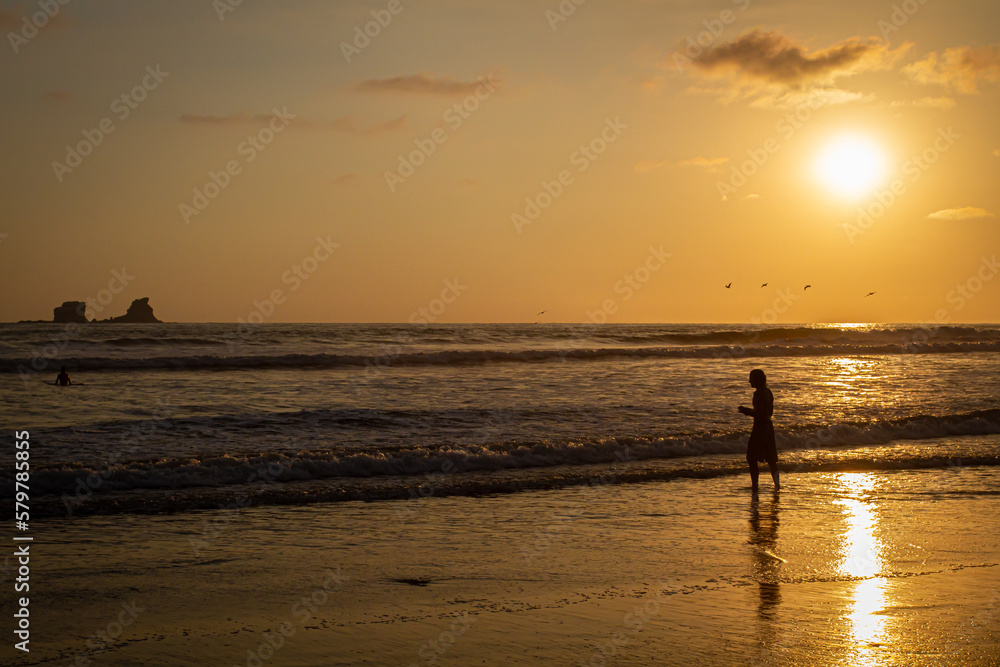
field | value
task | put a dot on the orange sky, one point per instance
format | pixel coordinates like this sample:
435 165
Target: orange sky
624 161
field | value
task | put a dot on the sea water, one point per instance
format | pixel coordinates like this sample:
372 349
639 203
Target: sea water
196 416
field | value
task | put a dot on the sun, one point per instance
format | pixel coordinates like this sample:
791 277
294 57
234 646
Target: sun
851 166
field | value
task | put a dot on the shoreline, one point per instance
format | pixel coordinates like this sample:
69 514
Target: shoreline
546 575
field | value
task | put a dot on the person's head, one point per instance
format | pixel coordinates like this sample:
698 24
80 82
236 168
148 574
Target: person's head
63 370
757 378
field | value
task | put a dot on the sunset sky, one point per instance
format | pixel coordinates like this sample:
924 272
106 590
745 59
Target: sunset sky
672 142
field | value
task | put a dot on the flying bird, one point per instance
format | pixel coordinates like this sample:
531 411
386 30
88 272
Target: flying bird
541 313
764 285
806 287
729 285
869 294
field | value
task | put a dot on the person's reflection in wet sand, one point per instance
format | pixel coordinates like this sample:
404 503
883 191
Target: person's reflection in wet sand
765 566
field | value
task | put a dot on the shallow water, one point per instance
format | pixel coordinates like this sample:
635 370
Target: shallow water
864 568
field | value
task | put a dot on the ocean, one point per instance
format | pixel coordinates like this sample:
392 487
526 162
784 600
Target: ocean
180 417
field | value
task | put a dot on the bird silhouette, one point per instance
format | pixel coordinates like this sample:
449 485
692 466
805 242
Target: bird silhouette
729 285
541 313
764 285
869 294
806 287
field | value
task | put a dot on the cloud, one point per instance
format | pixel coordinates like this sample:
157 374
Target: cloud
421 84
813 98
650 165
774 59
963 213
344 179
960 68
344 124
935 102
711 164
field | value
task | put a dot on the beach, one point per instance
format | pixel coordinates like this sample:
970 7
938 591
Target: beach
507 494
886 568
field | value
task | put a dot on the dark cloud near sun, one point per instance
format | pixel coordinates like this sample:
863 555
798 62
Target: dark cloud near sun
774 70
772 58
961 68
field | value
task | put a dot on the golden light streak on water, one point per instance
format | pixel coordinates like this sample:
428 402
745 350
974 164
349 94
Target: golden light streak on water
862 557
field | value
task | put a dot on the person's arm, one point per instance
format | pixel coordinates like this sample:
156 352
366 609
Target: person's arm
751 412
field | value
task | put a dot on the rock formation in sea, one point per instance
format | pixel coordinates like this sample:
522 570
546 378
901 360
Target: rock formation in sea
140 312
70 312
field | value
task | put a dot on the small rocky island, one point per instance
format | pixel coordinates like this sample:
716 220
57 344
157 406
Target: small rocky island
75 312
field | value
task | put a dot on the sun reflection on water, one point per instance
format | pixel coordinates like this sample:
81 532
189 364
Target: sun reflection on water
862 557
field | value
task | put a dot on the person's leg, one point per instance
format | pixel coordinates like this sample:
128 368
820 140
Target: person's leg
754 473
773 465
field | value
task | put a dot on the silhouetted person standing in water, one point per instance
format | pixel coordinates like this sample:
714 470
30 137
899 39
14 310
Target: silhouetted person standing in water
62 379
761 446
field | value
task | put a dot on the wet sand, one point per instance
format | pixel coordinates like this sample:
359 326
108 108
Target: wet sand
887 568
